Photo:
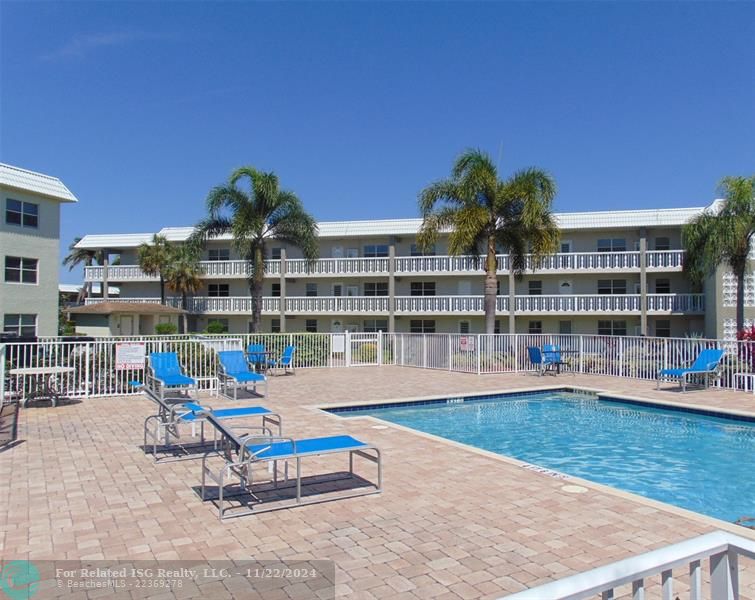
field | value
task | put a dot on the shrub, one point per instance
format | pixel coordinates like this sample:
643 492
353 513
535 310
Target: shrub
166 329
215 327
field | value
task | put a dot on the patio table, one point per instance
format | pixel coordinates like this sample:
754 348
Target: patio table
560 362
43 382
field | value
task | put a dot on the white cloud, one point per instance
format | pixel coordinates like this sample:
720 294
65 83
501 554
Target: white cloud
83 44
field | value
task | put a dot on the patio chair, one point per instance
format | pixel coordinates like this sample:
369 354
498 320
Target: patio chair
707 364
256 355
241 454
539 361
165 373
552 356
285 362
162 429
234 373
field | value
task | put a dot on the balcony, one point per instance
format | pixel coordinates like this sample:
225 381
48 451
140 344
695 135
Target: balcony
573 262
658 304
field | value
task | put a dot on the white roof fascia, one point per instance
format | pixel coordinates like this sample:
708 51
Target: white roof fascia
35 183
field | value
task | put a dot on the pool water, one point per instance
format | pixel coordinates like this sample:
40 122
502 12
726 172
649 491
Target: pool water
698 462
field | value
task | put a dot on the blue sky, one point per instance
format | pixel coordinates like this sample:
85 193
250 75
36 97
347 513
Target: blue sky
142 107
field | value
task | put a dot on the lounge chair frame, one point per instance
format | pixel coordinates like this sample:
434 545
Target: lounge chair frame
683 375
227 381
159 387
239 462
162 429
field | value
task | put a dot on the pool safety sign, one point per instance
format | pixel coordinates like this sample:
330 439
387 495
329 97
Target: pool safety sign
466 343
130 355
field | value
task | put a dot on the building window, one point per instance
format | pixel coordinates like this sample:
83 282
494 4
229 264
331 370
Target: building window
612 327
275 325
23 325
415 250
275 253
20 270
497 287
422 288
376 288
662 243
662 286
376 250
218 290
311 289
375 325
25 214
218 254
564 327
497 328
536 288
422 326
464 327
612 286
663 328
612 245
310 325
275 292
535 327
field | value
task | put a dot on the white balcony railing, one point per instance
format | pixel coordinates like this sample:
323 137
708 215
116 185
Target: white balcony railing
298 267
657 260
574 304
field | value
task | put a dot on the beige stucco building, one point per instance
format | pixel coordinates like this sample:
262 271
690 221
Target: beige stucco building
30 250
616 273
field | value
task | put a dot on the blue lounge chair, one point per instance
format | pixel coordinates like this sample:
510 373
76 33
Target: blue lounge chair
538 360
162 429
241 453
235 373
285 362
165 373
707 364
255 354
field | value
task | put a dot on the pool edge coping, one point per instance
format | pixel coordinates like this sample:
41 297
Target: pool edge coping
565 478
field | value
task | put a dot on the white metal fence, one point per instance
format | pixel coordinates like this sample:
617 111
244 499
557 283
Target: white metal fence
89 367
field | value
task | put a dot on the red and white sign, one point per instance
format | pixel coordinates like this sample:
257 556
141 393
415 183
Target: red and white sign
130 355
466 343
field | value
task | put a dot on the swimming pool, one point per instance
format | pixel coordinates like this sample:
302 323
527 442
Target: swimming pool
695 461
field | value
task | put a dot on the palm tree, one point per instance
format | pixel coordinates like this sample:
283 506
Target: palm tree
77 256
155 259
713 238
253 217
485 214
184 276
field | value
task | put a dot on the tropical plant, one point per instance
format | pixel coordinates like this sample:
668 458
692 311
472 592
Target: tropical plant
166 329
716 237
155 258
77 256
485 214
184 276
216 327
253 217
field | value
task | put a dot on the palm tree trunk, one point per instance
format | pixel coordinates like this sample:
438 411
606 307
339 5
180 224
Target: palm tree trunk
162 289
185 316
740 298
491 280
255 289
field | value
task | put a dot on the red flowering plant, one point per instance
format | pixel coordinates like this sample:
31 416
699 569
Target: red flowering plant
746 347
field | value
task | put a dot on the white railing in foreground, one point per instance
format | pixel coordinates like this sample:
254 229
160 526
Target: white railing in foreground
93 371
720 547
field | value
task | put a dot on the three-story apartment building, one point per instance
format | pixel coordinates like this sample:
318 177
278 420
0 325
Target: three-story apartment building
616 273
30 250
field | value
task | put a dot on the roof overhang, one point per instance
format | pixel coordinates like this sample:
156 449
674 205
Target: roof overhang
35 183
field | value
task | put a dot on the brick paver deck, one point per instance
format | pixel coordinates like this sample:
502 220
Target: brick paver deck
451 522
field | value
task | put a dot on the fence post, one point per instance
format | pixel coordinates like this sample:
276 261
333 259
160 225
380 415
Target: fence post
450 354
347 347
621 356
724 575
665 353
516 352
424 351
2 374
402 349
478 350
581 354
380 348
87 357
